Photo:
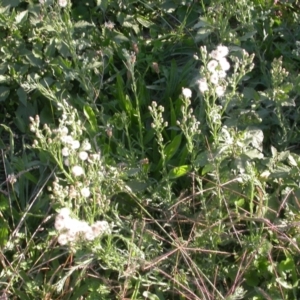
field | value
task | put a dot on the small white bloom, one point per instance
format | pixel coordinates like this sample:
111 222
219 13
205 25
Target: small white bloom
67 162
62 3
220 91
109 25
65 212
67 139
100 227
77 171
95 157
86 146
219 53
222 74
59 223
62 239
203 86
85 192
64 130
214 78
65 151
212 65
224 64
187 93
83 155
75 144
89 234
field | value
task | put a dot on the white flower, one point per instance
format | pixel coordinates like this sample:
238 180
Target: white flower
75 144
203 86
100 227
212 65
214 78
67 139
64 130
221 74
77 171
89 234
86 146
187 93
65 212
83 155
220 91
219 53
65 151
62 3
85 192
224 64
62 239
95 157
109 25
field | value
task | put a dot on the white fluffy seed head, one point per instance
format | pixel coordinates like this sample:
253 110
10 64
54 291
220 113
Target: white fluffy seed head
77 171
187 93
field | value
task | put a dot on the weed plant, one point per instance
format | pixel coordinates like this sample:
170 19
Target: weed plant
150 150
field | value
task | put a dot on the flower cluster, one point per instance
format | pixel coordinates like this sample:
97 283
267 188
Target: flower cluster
71 230
216 67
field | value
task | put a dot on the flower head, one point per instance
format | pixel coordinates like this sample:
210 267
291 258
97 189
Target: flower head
187 93
83 155
219 53
224 64
214 78
220 91
203 86
62 3
212 65
85 192
77 171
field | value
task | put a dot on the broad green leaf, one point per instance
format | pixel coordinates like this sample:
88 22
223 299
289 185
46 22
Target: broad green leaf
172 148
179 171
202 34
83 24
4 92
3 78
22 96
11 3
143 21
21 17
281 171
102 4
91 117
283 283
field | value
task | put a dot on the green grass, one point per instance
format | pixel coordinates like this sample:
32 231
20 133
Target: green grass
134 166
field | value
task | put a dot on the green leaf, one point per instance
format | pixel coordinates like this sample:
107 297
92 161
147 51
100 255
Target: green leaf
146 23
22 96
102 4
11 3
124 99
283 283
4 92
91 117
179 171
21 17
281 171
3 78
202 34
172 148
83 24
